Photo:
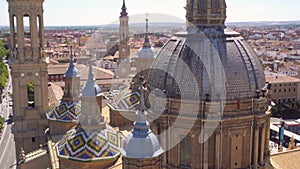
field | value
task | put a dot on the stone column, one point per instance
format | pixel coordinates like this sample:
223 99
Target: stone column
20 37
255 148
218 149
34 37
41 34
12 32
263 137
205 155
267 136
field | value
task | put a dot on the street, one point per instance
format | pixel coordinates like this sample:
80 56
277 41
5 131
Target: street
7 143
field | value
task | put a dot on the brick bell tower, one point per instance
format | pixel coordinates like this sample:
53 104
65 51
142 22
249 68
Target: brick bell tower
124 48
124 51
29 73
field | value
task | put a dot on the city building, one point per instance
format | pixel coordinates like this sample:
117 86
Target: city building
284 88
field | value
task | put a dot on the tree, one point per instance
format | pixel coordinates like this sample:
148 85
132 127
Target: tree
290 110
1 123
30 90
3 68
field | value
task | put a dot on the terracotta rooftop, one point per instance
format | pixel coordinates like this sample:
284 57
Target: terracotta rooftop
99 73
286 160
282 79
57 69
55 93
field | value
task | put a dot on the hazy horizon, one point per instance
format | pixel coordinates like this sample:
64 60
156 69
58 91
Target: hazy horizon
95 12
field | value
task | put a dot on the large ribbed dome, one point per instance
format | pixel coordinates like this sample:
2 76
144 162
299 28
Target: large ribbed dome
243 73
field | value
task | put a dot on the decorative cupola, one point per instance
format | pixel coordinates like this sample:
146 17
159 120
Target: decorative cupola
146 51
66 114
141 148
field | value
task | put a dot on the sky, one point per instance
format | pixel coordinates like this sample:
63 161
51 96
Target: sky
99 12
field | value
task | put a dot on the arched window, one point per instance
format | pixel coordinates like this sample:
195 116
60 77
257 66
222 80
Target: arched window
215 5
68 89
203 6
185 151
30 94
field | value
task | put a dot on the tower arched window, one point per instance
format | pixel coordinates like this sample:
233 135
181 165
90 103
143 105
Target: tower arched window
14 31
39 24
27 30
30 94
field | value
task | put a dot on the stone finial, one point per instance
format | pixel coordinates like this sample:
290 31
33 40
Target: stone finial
141 112
280 148
292 144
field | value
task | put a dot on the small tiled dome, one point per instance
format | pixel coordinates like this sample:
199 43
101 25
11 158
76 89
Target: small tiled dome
79 145
126 100
66 111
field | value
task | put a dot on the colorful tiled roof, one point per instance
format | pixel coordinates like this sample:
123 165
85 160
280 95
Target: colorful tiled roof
66 111
78 145
126 101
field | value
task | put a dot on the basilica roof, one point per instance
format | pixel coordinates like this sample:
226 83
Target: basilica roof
66 111
126 100
189 55
79 145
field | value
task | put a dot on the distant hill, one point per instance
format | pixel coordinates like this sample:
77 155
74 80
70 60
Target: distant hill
264 24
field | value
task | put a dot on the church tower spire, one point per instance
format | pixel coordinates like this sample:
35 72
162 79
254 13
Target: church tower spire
91 101
124 48
124 51
72 81
29 73
147 41
206 12
124 10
